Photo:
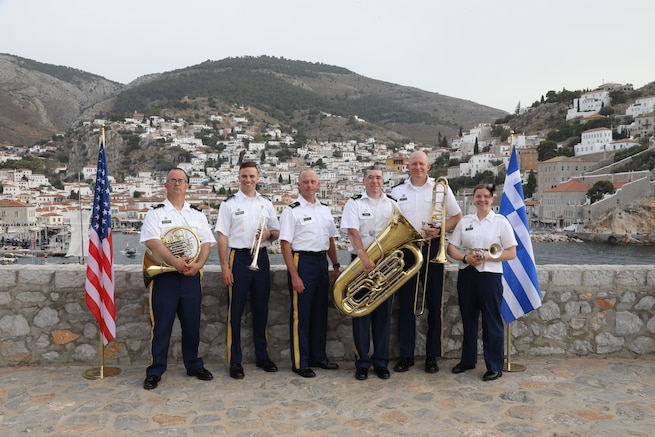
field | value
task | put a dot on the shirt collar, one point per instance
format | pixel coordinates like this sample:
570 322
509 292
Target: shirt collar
169 206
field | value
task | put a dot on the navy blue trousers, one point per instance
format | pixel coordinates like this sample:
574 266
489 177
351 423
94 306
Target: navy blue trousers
433 306
481 293
308 315
377 324
257 285
174 294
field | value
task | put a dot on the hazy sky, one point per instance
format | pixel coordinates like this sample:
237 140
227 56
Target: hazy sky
497 53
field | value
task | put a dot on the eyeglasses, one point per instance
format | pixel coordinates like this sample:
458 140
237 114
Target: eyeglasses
176 181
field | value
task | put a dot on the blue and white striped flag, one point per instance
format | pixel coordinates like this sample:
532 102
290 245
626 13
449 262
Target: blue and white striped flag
520 282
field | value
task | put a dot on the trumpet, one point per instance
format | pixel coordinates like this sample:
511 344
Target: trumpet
494 250
440 257
257 240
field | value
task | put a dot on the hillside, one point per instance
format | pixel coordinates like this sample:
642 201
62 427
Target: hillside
295 93
37 100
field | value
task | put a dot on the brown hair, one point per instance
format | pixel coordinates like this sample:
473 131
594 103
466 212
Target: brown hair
490 187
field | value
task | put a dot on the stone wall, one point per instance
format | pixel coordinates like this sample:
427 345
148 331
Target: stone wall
586 310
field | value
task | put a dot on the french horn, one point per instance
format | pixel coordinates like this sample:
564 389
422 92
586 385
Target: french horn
182 241
357 293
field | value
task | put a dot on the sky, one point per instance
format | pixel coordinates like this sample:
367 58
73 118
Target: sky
496 53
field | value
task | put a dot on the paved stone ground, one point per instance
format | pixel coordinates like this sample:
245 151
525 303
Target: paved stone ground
554 397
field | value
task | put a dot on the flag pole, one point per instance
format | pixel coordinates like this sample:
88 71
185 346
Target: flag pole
102 371
101 227
509 367
519 296
508 363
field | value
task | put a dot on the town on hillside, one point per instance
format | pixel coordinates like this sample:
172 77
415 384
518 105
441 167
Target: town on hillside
34 215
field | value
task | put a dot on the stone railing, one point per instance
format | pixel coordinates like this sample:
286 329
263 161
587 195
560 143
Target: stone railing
586 310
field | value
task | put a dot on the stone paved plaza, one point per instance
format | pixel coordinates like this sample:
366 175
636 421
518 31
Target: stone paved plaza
590 396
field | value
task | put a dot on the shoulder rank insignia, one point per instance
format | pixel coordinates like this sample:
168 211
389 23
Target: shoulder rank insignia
160 205
294 204
357 196
391 197
399 183
197 208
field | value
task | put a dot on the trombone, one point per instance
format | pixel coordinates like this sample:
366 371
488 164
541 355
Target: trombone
440 257
257 240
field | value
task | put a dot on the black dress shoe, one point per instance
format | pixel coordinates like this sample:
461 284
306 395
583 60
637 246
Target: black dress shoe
361 373
382 372
202 374
403 365
236 371
325 365
460 368
151 382
267 365
491 375
305 372
431 365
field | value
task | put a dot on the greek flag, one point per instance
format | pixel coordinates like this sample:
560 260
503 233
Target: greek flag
520 282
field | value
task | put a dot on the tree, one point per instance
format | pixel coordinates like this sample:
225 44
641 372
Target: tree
137 194
599 189
531 186
279 178
476 147
546 150
262 158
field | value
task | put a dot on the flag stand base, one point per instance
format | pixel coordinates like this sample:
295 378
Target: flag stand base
102 371
509 366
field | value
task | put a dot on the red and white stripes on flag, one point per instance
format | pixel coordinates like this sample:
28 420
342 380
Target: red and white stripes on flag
100 266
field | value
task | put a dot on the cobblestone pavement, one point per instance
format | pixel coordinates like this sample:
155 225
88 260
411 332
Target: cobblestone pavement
554 397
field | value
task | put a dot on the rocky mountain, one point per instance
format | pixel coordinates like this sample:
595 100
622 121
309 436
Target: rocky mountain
637 217
38 100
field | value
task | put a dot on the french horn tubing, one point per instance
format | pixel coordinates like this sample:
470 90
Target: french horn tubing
182 241
397 255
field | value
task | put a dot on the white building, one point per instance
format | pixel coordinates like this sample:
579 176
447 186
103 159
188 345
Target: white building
588 103
593 141
641 106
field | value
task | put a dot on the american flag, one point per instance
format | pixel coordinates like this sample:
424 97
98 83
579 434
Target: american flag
521 292
100 266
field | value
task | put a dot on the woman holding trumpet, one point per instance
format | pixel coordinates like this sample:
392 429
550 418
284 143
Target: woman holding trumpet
246 225
480 242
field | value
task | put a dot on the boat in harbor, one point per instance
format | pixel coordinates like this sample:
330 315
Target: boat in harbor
129 252
7 259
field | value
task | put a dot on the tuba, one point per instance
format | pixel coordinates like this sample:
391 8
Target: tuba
357 293
182 241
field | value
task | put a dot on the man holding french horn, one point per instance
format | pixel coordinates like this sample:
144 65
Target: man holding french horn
178 238
423 202
247 224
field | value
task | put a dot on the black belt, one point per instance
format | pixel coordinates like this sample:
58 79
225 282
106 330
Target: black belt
304 252
246 250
